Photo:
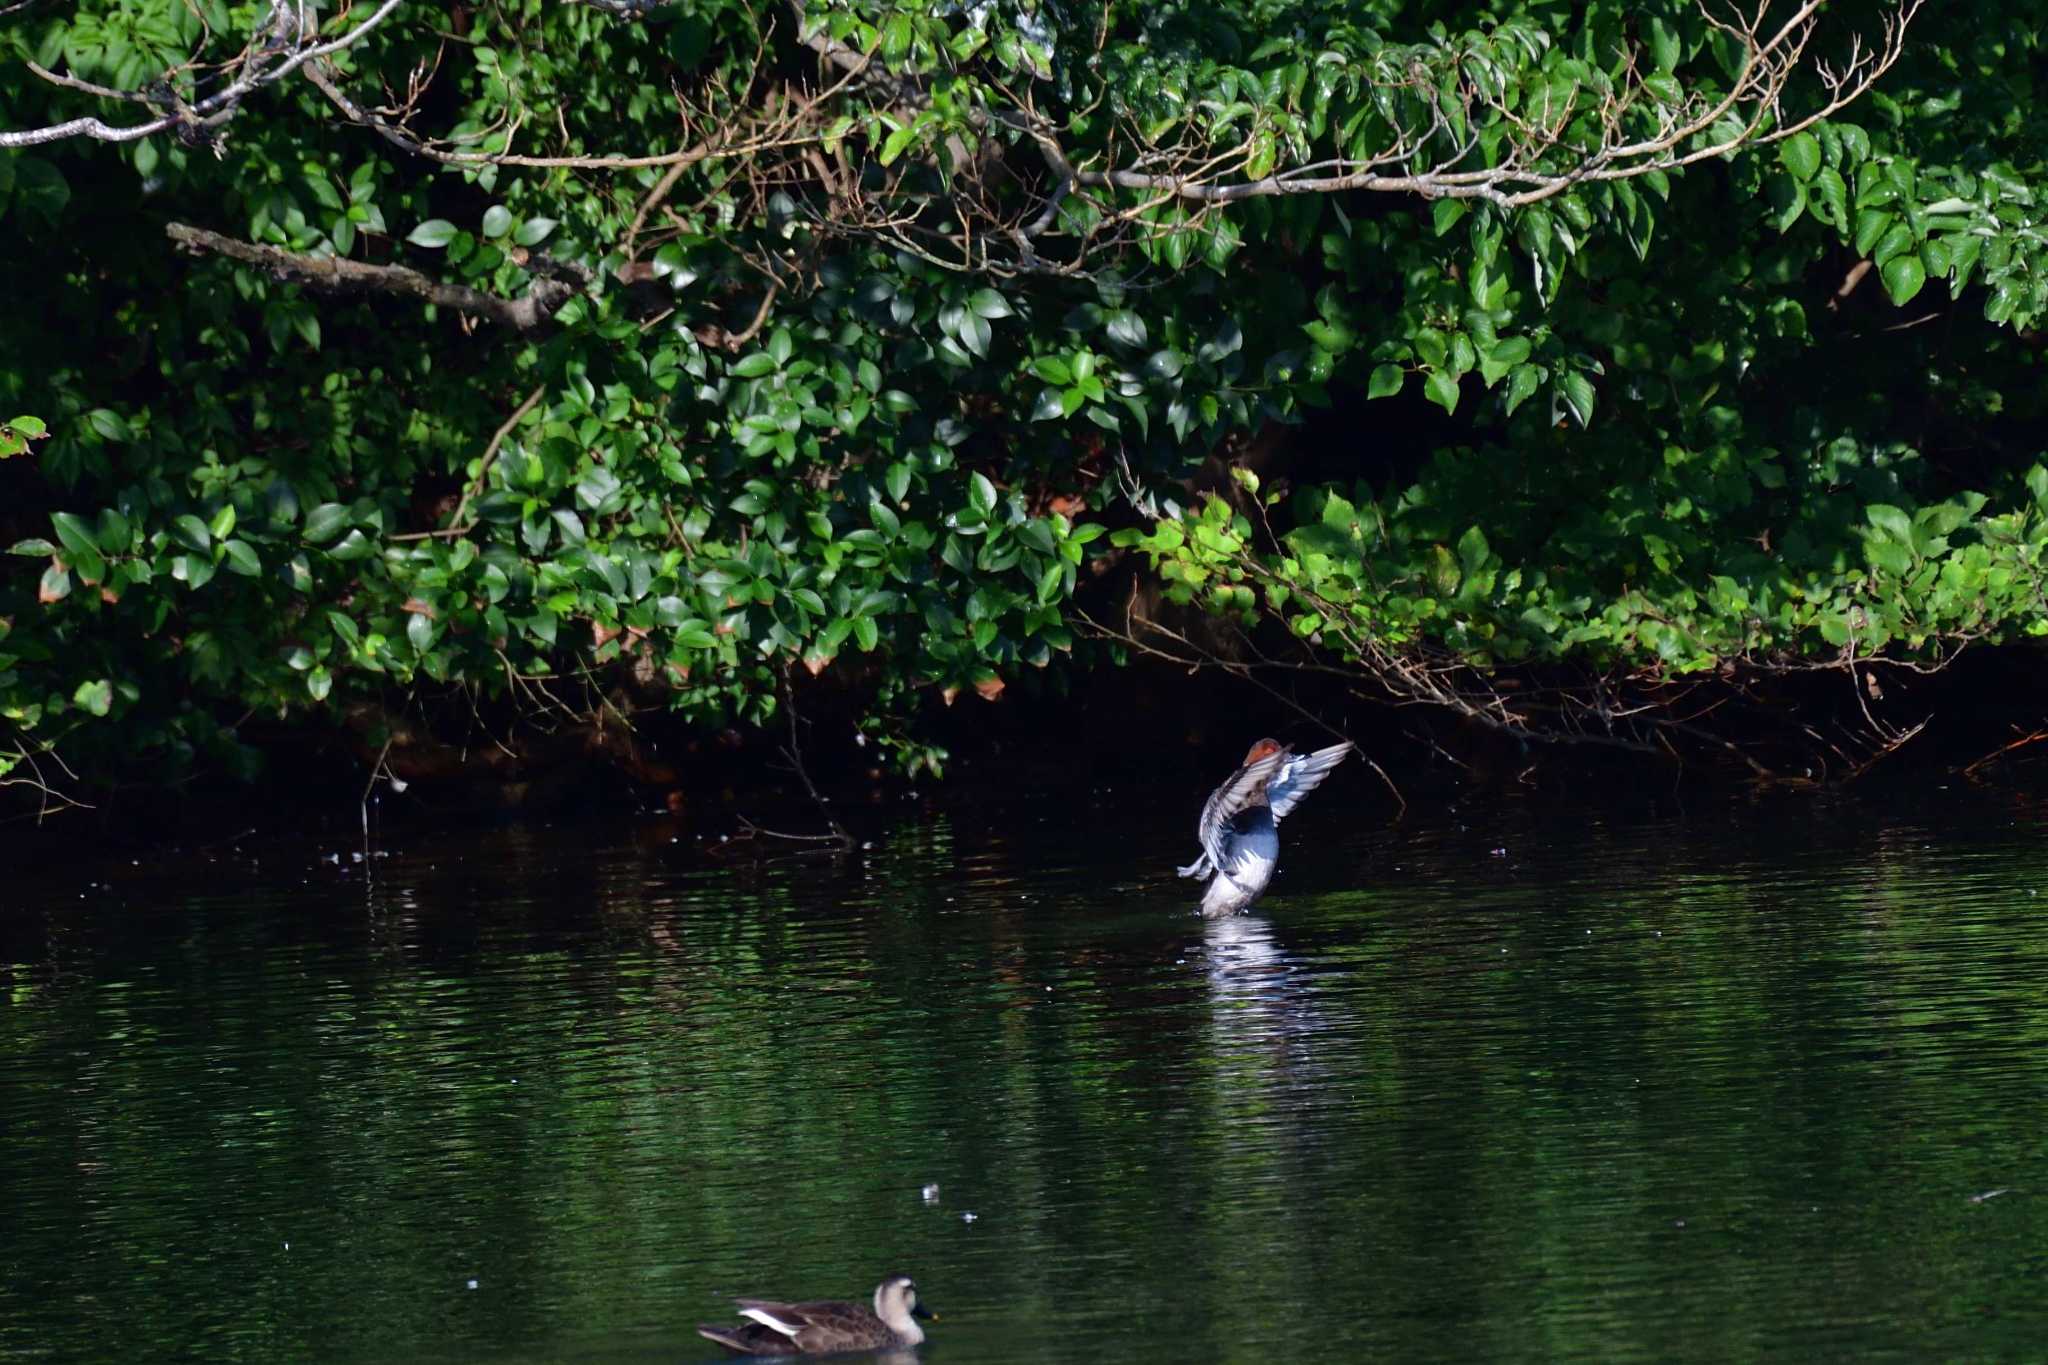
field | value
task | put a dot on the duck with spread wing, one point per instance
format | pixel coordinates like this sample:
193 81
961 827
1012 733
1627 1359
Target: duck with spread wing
1240 844
808 1329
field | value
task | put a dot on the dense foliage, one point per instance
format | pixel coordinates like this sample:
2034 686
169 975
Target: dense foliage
695 351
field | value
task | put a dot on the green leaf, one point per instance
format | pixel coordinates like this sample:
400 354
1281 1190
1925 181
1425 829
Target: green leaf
1443 572
114 532
1890 520
1788 198
1870 225
1903 276
1473 551
1665 51
354 545
1897 240
1503 358
77 536
324 522
981 494
893 145
1441 390
1577 392
1259 163
1890 556
242 558
192 531
87 564
110 425
975 333
896 37
754 364
96 696
497 221
1801 155
1832 193
1052 369
195 571
344 629
989 304
435 233
534 231
1385 381
319 682
1162 364
1521 384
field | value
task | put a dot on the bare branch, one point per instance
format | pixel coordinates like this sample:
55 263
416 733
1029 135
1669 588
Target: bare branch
1520 177
274 52
993 215
529 313
635 10
795 123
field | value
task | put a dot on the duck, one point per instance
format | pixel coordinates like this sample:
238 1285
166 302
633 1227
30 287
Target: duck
814 1329
1240 844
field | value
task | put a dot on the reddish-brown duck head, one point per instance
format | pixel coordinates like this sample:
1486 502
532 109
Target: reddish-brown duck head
1263 749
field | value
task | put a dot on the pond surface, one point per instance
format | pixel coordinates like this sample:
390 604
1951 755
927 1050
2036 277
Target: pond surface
1506 1080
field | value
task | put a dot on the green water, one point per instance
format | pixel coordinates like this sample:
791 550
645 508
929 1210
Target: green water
1507 1081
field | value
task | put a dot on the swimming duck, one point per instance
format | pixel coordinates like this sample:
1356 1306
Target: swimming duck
812 1329
1240 845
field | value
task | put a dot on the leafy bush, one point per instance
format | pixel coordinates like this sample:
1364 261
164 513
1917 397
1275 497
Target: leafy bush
832 350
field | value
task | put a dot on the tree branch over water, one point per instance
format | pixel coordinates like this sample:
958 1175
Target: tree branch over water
336 274
1476 118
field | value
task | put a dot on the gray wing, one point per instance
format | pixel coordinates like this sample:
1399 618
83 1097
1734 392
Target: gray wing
1300 775
1226 801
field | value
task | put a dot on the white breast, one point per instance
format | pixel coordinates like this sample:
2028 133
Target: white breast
1239 883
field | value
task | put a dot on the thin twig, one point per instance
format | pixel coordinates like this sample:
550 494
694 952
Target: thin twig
795 753
2022 742
456 524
